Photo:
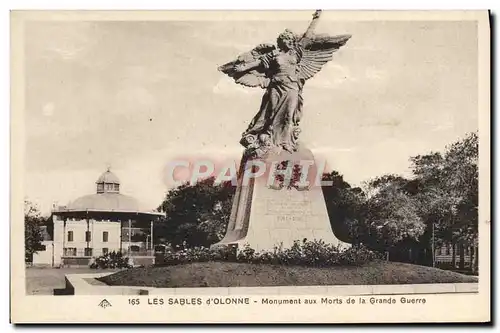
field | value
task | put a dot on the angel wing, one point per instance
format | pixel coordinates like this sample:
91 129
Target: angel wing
317 51
256 77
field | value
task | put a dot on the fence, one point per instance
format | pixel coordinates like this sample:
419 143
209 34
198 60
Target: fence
140 253
448 259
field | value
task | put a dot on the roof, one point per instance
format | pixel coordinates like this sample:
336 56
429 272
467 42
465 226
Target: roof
107 202
107 199
108 177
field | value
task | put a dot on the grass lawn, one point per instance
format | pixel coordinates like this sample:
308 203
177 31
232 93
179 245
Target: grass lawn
43 281
226 274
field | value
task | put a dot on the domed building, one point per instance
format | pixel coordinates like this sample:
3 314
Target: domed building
99 223
106 199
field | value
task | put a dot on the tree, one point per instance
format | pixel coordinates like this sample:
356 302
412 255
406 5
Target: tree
461 164
435 206
448 193
345 207
214 222
32 232
380 217
392 212
196 215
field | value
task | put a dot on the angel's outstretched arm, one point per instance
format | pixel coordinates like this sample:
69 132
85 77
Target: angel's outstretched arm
310 30
243 67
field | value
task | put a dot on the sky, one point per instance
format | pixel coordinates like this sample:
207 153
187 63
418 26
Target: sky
134 96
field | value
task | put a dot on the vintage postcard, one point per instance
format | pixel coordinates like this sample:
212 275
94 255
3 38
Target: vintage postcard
250 166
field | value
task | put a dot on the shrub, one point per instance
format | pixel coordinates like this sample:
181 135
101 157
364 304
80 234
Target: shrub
306 253
246 255
358 255
111 260
196 254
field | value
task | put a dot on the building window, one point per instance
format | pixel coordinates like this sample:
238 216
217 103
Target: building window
100 187
117 187
88 252
135 248
70 251
104 236
105 250
447 250
70 236
88 236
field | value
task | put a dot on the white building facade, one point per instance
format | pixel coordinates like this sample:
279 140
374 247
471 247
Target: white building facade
96 224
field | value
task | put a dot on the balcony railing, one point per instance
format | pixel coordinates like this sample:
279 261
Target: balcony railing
81 253
74 252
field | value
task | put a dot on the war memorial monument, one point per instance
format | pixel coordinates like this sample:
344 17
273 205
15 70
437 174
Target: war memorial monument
292 207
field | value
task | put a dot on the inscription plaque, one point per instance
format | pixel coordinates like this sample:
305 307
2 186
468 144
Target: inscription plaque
289 208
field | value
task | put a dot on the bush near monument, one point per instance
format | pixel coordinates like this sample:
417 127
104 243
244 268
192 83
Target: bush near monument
305 253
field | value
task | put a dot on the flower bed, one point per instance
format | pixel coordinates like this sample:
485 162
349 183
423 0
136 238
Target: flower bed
305 253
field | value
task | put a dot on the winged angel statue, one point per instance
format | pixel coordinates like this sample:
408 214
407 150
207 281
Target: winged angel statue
282 70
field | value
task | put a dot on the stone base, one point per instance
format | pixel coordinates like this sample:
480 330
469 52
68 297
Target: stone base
265 217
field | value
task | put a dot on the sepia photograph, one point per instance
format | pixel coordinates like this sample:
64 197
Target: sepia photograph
215 162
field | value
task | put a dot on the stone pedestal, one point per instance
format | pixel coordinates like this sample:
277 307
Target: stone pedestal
265 215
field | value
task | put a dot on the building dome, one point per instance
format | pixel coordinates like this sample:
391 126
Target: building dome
107 197
105 202
108 183
108 177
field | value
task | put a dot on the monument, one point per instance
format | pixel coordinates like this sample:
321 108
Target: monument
280 207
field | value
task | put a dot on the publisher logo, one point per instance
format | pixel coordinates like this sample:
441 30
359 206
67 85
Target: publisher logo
104 304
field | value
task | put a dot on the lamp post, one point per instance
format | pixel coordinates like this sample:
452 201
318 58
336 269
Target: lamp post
151 234
147 243
129 235
433 247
